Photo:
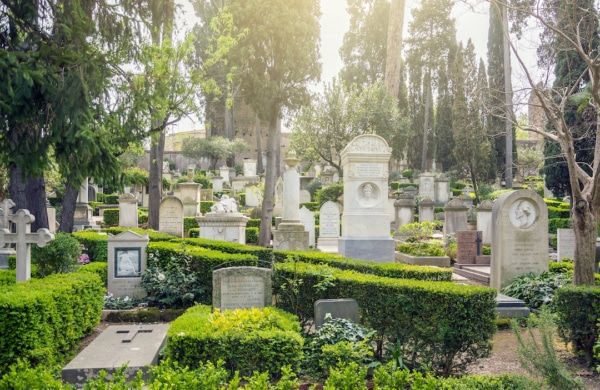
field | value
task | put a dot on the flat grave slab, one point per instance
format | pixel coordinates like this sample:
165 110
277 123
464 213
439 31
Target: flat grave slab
136 346
508 307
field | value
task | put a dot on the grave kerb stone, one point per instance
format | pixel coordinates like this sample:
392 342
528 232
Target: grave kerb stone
242 287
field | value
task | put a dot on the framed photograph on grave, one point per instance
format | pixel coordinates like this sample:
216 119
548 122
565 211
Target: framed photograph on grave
128 262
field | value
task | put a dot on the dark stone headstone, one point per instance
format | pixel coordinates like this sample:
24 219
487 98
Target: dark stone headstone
468 246
337 308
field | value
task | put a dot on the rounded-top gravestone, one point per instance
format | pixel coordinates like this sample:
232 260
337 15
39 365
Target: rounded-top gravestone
519 237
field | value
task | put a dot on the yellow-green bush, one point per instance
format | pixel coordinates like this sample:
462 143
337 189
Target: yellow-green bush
264 254
41 320
99 268
247 340
111 217
95 244
442 325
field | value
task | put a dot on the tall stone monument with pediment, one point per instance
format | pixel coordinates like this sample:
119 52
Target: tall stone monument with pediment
519 236
366 220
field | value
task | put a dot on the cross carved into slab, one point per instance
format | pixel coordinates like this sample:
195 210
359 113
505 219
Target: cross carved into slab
131 335
23 238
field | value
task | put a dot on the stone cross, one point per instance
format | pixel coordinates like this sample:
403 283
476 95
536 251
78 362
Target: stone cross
23 239
6 205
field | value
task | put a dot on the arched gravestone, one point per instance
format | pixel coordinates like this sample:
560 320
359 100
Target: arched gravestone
366 220
519 236
170 216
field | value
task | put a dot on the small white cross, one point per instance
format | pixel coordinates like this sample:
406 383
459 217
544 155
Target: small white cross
23 238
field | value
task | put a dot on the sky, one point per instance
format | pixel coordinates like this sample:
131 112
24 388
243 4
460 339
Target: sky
471 22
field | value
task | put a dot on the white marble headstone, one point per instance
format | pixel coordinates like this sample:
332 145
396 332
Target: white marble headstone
307 218
171 216
566 243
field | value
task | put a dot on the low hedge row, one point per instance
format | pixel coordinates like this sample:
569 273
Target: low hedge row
253 222
201 262
246 340
391 270
7 277
189 223
251 234
99 268
41 320
441 325
264 254
558 212
111 217
567 267
558 223
153 235
95 244
578 310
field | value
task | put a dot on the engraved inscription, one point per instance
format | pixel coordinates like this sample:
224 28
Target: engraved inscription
242 291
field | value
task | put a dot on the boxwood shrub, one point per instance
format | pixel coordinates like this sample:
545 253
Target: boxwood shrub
264 254
205 206
558 223
94 243
252 235
194 232
312 206
441 325
110 198
201 264
189 223
153 235
98 268
41 320
247 340
253 222
111 217
7 277
578 310
392 270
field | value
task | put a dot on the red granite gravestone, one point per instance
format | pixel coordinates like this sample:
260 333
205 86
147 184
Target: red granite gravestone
468 246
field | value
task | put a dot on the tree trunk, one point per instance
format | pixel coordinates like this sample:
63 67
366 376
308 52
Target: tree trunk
585 225
69 202
278 159
259 160
229 131
29 193
270 178
426 124
157 148
393 60
508 175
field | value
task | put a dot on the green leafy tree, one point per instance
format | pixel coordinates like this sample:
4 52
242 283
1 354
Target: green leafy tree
213 148
275 59
323 128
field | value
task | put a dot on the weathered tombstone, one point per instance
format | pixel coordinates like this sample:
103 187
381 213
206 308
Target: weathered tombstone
468 246
426 209
254 196
224 222
241 287
329 227
404 206
51 211
346 308
190 196
427 185
128 210
290 234
134 346
249 167
455 216
484 220
467 200
217 183
304 196
224 173
206 194
6 207
23 238
83 211
170 216
126 264
366 220
307 218
442 190
519 236
566 243
278 209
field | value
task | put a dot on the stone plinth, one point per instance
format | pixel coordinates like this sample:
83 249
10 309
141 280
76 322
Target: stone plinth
366 219
484 220
189 193
290 236
519 236
404 210
217 183
224 173
128 210
171 216
455 214
126 264
254 196
83 216
249 167
442 190
329 227
241 287
230 227
426 210
427 185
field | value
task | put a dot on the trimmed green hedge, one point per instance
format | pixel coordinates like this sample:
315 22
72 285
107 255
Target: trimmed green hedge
7 277
567 267
153 235
247 340
441 325
253 222
312 206
194 232
558 212
422 248
98 268
264 254
391 270
189 223
558 223
109 198
42 320
111 217
578 310
202 260
95 244
205 206
252 235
